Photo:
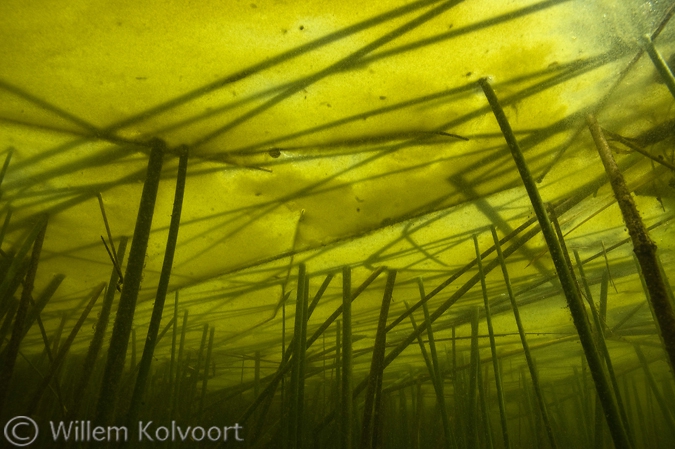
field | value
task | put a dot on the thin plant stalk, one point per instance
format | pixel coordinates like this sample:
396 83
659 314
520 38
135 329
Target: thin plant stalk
41 301
179 361
472 424
9 354
660 400
99 334
297 383
346 390
270 389
660 64
493 348
256 375
132 282
602 345
5 166
172 363
526 348
162 288
5 225
376 367
574 301
18 261
643 246
438 375
63 350
206 368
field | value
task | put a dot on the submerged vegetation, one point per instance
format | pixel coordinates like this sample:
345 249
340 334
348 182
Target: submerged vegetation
413 260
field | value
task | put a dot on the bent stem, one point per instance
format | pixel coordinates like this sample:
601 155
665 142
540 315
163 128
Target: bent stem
571 293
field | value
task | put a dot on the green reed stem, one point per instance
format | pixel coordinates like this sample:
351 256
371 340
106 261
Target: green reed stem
63 351
9 354
5 166
162 289
132 283
297 383
643 246
602 345
659 63
206 368
438 375
526 347
5 225
493 348
41 301
374 389
346 391
472 422
660 400
571 293
15 269
285 366
179 361
97 341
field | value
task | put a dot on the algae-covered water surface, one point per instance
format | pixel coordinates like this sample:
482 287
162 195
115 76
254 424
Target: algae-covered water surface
397 224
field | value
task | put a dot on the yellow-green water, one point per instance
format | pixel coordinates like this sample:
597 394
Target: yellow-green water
331 136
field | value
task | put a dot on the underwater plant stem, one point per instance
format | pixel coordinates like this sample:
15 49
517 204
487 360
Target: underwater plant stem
297 383
179 360
162 288
376 366
97 340
526 347
8 158
472 416
9 354
5 225
132 284
643 246
270 389
570 289
437 374
63 350
15 269
602 345
663 405
346 402
659 63
493 349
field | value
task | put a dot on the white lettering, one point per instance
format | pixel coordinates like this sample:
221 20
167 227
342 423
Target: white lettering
56 433
142 431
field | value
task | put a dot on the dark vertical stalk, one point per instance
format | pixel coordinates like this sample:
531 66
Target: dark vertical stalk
493 348
643 246
179 361
15 269
63 351
659 63
663 405
132 283
346 391
9 354
5 225
298 352
472 421
99 334
206 369
571 293
602 345
162 288
8 158
376 368
526 347
172 363
256 375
